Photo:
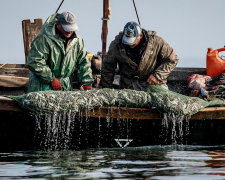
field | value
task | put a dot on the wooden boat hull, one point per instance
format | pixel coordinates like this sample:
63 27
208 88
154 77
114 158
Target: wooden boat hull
102 126
19 132
105 124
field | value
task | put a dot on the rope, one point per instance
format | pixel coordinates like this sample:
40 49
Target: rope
59 6
136 13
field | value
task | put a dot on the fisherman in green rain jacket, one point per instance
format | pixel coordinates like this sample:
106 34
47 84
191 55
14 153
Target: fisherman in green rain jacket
55 53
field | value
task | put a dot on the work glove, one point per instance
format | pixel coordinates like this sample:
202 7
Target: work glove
87 87
56 85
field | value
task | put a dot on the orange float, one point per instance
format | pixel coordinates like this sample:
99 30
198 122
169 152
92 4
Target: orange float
215 65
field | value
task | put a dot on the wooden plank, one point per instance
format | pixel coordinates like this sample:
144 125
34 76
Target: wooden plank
8 104
13 65
181 74
124 113
210 113
2 65
13 81
19 72
30 32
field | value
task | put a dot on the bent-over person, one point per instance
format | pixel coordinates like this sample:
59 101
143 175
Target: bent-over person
55 53
142 58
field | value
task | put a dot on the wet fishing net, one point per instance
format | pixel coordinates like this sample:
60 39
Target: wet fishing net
177 104
62 102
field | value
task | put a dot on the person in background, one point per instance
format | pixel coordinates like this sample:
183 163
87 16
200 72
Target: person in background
142 58
55 53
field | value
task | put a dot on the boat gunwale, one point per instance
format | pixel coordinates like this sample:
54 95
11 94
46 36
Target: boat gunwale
208 113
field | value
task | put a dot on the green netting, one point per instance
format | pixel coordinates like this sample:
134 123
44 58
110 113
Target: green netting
51 102
178 104
216 94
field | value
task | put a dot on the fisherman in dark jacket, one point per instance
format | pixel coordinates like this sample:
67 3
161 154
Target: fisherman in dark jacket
142 57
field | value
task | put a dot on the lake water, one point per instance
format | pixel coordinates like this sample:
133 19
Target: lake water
156 162
149 162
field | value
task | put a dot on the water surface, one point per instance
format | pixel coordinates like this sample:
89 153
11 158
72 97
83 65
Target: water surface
150 162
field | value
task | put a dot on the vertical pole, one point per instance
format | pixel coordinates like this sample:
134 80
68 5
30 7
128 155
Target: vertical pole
105 26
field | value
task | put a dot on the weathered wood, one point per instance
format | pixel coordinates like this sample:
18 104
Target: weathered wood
12 91
1 66
13 66
106 14
181 74
211 113
19 72
8 104
124 112
13 81
30 31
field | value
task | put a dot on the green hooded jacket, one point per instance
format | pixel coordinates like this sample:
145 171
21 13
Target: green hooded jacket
158 59
48 58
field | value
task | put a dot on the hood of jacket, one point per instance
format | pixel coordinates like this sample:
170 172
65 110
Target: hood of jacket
48 26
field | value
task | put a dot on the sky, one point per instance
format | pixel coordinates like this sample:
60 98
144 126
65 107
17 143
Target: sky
189 26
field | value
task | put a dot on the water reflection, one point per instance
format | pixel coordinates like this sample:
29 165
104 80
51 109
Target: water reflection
217 162
152 162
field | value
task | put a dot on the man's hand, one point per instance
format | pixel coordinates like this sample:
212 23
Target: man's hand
56 85
152 79
87 87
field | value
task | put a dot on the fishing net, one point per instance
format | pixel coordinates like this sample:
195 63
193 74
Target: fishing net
75 101
218 93
177 104
51 102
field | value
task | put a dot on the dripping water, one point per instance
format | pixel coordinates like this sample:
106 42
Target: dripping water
175 127
54 131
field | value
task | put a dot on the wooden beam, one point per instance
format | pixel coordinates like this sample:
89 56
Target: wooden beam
8 104
178 74
13 81
19 72
124 113
210 113
105 19
6 65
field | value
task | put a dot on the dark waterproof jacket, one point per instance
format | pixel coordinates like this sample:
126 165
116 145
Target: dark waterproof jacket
48 58
158 59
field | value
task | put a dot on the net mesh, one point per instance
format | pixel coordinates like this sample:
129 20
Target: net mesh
50 102
174 103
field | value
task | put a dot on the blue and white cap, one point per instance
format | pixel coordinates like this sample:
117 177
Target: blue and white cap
68 21
131 32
